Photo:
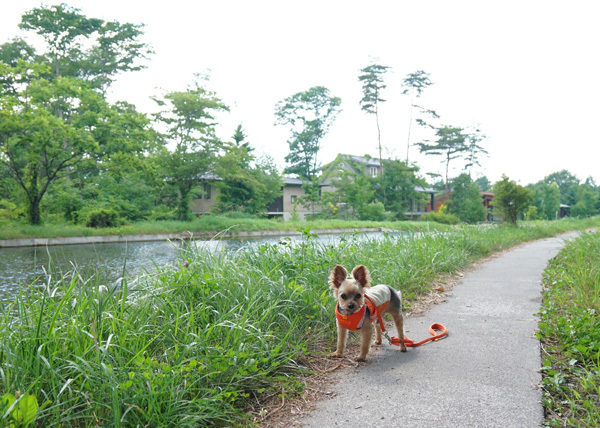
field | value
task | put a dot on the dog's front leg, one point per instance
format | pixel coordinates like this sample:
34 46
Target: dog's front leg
341 341
366 334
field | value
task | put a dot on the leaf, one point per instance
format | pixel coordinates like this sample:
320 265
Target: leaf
28 407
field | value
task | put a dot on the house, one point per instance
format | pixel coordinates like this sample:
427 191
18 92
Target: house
371 167
287 206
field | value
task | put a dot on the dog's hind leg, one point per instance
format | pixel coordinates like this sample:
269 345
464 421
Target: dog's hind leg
399 321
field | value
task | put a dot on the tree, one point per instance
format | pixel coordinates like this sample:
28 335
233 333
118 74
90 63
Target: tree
551 201
243 186
354 189
398 189
484 183
88 48
474 148
372 81
310 115
450 143
466 201
190 128
414 84
511 199
587 201
567 184
37 147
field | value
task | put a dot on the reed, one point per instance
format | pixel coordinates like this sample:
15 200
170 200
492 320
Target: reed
195 344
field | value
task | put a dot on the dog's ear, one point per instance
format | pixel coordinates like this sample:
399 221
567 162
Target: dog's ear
337 276
362 275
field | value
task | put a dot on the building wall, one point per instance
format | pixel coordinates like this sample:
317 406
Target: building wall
203 205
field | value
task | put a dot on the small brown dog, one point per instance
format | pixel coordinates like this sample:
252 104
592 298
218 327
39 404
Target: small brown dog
355 312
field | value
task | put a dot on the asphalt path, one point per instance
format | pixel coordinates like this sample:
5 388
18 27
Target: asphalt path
484 374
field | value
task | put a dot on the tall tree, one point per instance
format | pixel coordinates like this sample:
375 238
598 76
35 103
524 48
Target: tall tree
246 183
474 149
466 201
37 147
414 84
372 86
88 48
567 184
399 188
310 115
190 129
450 143
511 199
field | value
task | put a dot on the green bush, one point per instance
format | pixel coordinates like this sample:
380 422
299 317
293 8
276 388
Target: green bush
102 218
440 218
374 211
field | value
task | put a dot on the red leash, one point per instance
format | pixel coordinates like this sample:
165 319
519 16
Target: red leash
409 342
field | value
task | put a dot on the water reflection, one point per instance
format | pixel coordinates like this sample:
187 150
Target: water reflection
26 266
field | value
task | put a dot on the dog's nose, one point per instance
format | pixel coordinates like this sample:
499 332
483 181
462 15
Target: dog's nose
350 305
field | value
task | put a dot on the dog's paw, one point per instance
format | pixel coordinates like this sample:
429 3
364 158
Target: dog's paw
377 342
403 348
361 359
336 355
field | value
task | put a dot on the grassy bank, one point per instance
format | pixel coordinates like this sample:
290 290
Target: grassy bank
212 223
570 333
201 344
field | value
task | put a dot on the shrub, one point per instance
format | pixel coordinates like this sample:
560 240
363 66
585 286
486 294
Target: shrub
374 211
440 218
102 217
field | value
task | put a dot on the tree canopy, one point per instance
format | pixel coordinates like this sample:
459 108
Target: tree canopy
310 114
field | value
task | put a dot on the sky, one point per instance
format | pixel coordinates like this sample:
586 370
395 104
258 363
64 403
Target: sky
526 73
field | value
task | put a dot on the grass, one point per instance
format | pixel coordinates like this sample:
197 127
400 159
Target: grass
570 334
201 344
210 223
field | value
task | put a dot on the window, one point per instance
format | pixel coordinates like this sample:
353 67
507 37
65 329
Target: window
206 189
374 171
294 199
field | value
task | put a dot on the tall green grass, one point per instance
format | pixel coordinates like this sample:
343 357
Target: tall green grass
570 333
196 344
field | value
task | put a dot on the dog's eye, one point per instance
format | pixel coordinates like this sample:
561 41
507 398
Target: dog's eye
358 296
344 296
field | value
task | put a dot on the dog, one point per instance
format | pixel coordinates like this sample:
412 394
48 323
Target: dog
355 312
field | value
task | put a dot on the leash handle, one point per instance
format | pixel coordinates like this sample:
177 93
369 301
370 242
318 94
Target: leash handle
435 327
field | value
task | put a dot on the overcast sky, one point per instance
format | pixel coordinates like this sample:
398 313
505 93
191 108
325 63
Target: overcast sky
525 72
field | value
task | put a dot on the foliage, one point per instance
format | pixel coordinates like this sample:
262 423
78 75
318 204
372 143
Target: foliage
511 199
189 118
243 186
90 49
570 333
399 188
414 84
102 218
310 114
466 200
372 86
587 202
450 144
44 136
439 217
374 211
353 187
567 184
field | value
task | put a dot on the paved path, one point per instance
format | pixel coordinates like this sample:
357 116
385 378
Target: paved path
485 374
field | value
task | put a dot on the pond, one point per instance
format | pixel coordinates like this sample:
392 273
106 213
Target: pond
25 266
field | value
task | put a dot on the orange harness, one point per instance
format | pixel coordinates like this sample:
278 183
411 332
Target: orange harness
357 319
